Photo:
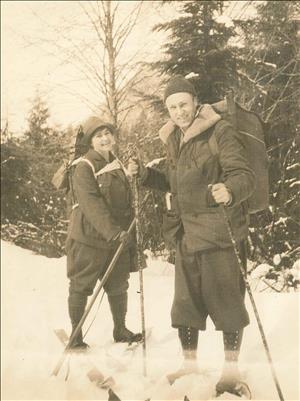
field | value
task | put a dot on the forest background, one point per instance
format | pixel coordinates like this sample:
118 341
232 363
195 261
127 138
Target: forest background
252 47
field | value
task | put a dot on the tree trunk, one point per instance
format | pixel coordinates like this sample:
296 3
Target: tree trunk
112 98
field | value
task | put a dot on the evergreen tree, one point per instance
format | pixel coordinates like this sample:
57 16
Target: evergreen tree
28 198
38 129
269 84
198 44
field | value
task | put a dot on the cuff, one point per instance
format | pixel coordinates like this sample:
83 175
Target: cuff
231 201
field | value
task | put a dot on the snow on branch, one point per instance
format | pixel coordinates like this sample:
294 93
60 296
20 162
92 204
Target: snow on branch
259 87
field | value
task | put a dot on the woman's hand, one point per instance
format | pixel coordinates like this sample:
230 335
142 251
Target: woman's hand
136 168
133 167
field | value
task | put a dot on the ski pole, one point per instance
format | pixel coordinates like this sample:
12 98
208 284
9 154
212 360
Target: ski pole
138 240
92 301
259 323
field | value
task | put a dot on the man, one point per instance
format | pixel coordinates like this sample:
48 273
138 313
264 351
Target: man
207 276
102 212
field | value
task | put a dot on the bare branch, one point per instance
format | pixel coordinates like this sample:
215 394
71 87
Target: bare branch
280 96
122 38
101 39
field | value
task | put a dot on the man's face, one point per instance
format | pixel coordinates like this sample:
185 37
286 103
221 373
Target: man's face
182 108
103 140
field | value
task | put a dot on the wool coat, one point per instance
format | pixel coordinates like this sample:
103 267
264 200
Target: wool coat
191 169
102 207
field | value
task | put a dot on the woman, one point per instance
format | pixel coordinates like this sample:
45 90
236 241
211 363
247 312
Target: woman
101 215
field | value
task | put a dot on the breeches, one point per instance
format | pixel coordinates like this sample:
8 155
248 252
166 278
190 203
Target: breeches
209 283
86 265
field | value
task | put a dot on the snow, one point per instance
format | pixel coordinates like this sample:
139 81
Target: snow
34 303
292 166
294 184
226 20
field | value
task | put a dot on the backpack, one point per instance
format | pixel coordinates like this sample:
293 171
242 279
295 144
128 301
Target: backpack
61 178
251 131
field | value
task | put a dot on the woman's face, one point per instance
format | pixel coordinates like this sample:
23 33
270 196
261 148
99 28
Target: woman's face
103 140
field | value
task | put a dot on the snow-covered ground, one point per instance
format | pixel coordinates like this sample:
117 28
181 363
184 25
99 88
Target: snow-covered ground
34 303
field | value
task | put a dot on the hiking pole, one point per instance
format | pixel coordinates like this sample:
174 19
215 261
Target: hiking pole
138 240
92 301
259 323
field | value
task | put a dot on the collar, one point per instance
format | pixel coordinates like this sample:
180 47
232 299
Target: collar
205 118
92 154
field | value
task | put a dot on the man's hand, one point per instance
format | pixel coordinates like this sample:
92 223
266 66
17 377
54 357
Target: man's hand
221 194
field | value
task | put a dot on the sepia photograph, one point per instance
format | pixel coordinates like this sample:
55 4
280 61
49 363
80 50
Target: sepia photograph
150 209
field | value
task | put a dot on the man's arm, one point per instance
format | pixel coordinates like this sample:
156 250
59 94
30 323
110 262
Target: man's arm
239 178
155 179
149 176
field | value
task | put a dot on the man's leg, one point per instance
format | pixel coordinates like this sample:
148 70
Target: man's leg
189 342
188 337
230 374
188 311
224 296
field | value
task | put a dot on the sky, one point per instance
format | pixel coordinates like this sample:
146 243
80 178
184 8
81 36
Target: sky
28 68
27 28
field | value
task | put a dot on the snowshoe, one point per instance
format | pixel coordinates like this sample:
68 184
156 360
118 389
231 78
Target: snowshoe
94 374
183 371
238 388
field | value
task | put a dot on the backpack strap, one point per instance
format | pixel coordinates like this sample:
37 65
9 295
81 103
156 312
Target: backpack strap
83 159
74 163
212 140
213 144
114 165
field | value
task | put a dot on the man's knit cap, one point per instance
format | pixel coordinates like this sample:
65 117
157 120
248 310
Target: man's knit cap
179 84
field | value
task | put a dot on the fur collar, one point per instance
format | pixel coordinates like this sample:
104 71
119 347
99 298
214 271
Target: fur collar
205 119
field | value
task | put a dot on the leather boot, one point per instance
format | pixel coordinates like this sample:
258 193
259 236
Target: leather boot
230 377
76 313
118 307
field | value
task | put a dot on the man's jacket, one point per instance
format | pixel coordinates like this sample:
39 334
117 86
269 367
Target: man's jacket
191 168
102 205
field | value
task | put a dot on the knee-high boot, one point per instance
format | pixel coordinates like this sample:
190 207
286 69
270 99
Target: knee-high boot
118 307
230 375
76 311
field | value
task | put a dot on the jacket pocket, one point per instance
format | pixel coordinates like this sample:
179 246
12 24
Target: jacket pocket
172 229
